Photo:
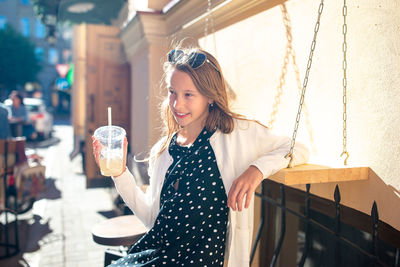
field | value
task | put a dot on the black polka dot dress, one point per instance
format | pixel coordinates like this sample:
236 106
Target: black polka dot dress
190 229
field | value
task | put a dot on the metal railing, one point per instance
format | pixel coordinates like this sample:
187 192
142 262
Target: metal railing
371 255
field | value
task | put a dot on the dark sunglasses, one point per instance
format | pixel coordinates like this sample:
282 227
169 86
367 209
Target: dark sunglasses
195 59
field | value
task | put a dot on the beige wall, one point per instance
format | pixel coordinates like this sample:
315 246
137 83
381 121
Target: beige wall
250 47
140 100
251 54
157 55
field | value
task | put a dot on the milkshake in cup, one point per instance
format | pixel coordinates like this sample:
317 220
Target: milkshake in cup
111 139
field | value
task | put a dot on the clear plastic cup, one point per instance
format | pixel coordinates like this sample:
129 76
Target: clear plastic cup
112 149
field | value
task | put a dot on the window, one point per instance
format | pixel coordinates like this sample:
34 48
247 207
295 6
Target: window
53 56
39 52
25 2
40 30
25 27
3 22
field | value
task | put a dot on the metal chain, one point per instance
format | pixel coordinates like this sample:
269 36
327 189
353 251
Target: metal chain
344 49
282 80
207 22
213 32
305 82
305 108
279 90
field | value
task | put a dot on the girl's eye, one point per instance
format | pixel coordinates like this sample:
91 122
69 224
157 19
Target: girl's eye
171 92
188 94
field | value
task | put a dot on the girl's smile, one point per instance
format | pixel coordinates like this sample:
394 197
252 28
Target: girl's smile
181 115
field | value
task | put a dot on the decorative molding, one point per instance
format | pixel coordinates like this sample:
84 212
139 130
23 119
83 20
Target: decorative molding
230 12
131 36
157 4
144 29
157 28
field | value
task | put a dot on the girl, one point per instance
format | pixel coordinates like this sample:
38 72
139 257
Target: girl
210 161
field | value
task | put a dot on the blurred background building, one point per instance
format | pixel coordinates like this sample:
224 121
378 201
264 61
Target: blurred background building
52 43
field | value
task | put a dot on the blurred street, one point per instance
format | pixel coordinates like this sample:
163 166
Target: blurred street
57 230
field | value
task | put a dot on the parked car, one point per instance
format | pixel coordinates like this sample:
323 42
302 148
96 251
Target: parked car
41 119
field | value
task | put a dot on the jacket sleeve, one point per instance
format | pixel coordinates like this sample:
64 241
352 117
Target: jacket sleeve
138 201
273 149
141 203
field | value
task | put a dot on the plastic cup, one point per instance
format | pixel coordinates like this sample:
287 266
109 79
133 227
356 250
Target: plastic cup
112 149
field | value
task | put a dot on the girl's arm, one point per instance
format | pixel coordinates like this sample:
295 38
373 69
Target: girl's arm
272 151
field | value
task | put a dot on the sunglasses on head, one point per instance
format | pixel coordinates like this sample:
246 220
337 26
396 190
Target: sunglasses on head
194 59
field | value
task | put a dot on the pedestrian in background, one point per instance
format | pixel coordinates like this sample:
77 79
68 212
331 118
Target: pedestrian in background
19 116
203 173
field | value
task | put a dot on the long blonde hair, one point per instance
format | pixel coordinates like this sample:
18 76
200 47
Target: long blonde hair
210 82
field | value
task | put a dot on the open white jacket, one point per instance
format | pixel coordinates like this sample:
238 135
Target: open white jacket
249 144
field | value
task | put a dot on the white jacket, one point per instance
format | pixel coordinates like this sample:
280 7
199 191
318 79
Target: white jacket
249 144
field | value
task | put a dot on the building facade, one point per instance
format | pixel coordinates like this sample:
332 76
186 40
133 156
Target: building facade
20 15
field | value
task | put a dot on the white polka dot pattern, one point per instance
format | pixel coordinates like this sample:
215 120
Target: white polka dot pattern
191 226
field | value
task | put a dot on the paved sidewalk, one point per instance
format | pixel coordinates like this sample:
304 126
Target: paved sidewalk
57 231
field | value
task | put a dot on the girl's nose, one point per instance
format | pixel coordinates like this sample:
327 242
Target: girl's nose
177 103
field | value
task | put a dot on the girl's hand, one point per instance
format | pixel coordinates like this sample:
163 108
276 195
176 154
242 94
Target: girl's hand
96 152
245 184
96 149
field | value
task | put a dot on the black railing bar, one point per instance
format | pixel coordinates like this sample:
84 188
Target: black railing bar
375 219
337 198
283 227
348 242
397 258
260 228
307 230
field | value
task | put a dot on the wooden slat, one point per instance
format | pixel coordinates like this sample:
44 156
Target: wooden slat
312 173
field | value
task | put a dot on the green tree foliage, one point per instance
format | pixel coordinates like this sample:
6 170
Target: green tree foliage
18 63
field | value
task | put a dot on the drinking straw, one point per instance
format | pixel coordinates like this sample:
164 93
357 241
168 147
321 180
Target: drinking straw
109 137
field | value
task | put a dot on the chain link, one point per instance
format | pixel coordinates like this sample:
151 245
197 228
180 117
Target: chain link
282 80
279 90
305 82
344 66
209 22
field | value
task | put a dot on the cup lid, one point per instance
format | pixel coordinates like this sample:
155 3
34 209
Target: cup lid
103 132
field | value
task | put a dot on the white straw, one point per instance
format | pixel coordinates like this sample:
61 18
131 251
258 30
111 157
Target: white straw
109 116
109 137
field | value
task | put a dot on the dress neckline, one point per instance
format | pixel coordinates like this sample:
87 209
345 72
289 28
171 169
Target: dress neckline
201 139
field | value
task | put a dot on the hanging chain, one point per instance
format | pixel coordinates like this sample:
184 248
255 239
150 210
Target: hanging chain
279 90
305 108
213 31
344 48
282 80
207 22
305 82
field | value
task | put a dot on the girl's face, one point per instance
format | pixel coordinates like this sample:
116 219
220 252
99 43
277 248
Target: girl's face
188 105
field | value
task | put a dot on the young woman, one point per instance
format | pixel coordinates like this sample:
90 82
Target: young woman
210 161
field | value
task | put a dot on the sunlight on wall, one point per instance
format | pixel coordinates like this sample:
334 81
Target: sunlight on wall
251 55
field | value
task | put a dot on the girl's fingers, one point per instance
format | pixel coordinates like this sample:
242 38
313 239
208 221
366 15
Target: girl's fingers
248 198
232 196
239 198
